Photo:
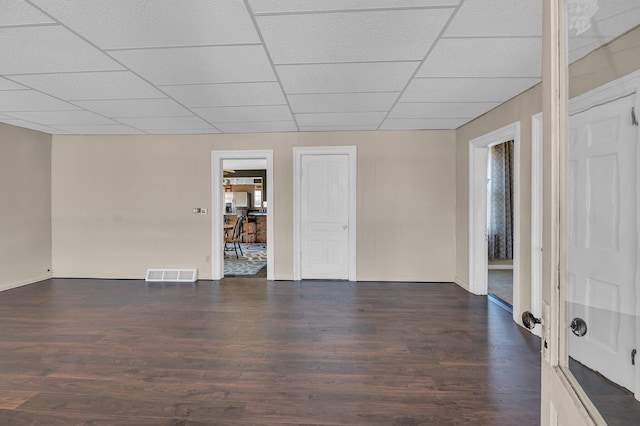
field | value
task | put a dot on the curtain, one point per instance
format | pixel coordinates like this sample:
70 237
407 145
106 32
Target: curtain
500 202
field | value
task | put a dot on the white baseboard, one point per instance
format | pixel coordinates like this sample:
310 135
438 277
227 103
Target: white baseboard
462 283
9 286
500 267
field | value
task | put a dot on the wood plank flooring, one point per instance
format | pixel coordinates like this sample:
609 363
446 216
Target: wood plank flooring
251 352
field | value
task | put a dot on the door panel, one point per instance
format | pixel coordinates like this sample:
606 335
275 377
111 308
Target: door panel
602 257
325 217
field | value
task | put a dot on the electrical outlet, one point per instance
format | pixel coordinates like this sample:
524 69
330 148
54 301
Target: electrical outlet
203 211
196 210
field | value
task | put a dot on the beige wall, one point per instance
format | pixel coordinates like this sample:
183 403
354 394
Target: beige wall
25 206
122 204
615 60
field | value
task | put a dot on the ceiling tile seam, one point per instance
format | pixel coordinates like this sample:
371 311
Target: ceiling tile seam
118 99
431 117
297 64
114 59
483 37
266 50
339 112
336 11
444 102
181 46
224 83
236 106
433 45
477 78
342 93
42 24
12 74
3 120
254 121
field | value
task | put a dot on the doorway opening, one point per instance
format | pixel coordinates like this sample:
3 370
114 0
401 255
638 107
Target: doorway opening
500 221
245 217
242 218
479 195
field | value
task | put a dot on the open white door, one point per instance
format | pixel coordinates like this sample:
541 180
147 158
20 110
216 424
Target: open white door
603 238
564 403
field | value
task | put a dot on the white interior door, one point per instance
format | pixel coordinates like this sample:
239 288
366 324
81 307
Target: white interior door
324 220
603 238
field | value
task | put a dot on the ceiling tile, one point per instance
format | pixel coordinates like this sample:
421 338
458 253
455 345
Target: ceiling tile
27 125
289 6
423 123
126 24
497 18
91 85
343 102
258 127
441 109
17 12
392 35
115 129
466 89
245 113
491 57
49 49
55 118
10 85
136 107
230 94
343 118
220 64
337 78
166 123
206 131
30 100
362 127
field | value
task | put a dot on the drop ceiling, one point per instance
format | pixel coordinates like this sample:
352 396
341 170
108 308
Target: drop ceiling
231 66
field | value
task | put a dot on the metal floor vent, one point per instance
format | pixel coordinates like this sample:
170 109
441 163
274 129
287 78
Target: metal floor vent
189 275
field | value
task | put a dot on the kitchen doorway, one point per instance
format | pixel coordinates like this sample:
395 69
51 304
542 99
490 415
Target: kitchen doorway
242 222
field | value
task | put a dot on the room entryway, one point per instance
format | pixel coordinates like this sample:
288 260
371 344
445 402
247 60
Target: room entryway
504 250
242 218
500 216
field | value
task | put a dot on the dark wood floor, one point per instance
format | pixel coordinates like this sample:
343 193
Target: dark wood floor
240 352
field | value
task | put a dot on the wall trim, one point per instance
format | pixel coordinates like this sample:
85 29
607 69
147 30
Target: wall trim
22 283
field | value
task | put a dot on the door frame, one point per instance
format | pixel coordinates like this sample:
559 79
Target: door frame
536 218
298 152
478 252
217 207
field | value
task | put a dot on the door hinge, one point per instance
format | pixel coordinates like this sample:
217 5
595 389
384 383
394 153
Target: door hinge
634 120
633 357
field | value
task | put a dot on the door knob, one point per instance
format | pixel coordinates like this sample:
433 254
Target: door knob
529 320
578 327
344 226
